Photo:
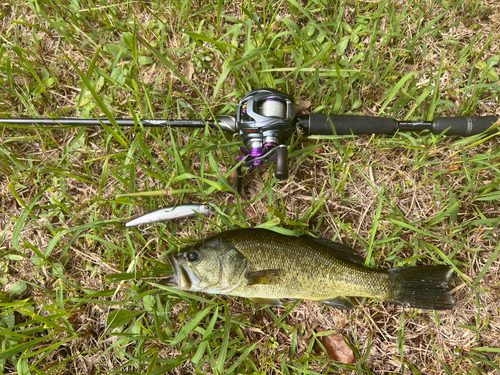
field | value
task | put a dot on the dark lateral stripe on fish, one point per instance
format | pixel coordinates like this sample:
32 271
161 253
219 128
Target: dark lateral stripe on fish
424 287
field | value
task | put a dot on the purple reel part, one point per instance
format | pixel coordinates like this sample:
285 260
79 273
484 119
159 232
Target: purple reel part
250 156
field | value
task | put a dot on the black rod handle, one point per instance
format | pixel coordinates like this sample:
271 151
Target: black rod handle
463 126
318 124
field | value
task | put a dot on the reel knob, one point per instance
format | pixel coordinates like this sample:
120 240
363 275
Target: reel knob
281 163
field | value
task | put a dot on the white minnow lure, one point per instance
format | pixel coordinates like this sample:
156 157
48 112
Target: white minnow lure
170 213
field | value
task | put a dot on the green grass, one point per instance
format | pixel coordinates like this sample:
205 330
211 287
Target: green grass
80 293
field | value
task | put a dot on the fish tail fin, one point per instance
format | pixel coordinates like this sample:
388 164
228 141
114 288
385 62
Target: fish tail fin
423 287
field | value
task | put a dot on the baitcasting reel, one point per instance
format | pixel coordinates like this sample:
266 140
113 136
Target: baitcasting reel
265 120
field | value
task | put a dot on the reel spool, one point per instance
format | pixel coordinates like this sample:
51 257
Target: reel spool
272 108
265 119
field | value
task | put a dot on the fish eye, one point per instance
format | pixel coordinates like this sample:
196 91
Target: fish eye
193 256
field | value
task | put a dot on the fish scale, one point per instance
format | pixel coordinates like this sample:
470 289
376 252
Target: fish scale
267 266
309 272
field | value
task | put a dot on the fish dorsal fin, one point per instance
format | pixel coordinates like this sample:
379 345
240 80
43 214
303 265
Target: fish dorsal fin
339 249
339 303
267 301
264 277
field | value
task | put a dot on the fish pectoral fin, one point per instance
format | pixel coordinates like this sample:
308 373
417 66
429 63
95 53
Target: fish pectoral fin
267 301
264 277
339 303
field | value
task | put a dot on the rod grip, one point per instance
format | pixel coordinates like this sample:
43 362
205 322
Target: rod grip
282 163
320 124
463 126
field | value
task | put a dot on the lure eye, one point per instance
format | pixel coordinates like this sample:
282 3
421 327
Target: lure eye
193 256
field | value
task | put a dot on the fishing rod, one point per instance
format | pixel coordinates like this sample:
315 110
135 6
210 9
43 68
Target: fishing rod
266 119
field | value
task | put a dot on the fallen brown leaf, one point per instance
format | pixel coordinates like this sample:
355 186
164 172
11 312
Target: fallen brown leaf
337 349
303 106
188 71
319 150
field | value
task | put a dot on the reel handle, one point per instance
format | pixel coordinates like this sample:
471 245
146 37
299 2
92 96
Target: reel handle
281 163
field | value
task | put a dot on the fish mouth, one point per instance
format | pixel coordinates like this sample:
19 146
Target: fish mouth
183 277
170 281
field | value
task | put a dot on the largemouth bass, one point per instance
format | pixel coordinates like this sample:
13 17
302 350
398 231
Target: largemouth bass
266 266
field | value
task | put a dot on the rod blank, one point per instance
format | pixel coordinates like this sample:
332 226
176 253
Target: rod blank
99 122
